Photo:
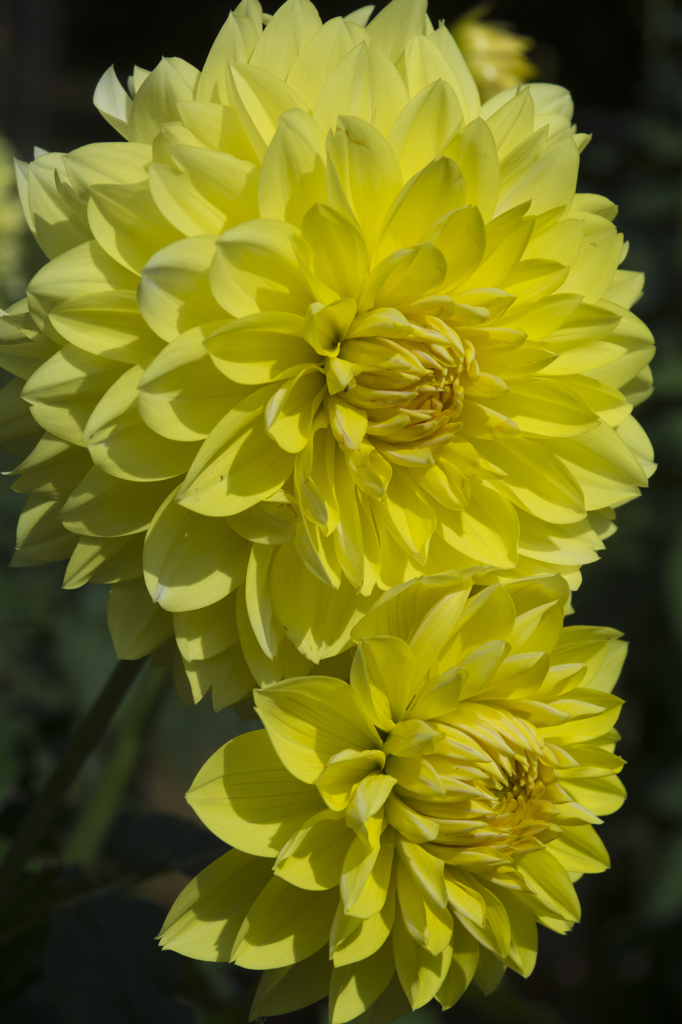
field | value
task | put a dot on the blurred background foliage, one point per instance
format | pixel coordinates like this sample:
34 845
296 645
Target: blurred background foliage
78 945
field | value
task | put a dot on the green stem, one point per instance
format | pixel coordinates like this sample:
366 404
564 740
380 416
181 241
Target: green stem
85 738
83 844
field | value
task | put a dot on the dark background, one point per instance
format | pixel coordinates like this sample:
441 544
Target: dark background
81 948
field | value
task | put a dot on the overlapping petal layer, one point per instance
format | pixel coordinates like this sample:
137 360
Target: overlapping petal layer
399 834
320 325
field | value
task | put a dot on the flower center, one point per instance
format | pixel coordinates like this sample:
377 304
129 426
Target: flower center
411 387
520 809
520 788
473 795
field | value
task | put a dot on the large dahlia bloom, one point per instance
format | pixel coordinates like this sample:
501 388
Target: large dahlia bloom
320 325
400 834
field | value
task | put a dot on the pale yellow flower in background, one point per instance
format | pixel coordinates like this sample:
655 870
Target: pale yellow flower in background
397 836
496 55
322 324
13 230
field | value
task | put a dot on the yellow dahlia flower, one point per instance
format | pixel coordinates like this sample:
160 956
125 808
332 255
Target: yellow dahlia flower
397 836
320 325
495 55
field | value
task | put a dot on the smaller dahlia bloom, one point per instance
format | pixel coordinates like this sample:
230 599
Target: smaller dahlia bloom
495 55
397 835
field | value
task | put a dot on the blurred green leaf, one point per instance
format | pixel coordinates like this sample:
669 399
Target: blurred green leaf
103 966
507 1007
666 792
655 198
660 137
84 843
672 582
663 898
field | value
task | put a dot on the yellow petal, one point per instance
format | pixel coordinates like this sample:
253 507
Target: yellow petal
365 935
205 918
474 151
461 238
256 269
354 987
238 465
293 175
41 536
317 618
112 101
226 675
127 223
489 972
283 926
601 796
313 857
56 218
107 324
462 968
324 330
311 720
364 813
579 848
408 822
320 55
478 532
523 950
286 989
235 42
285 35
290 411
247 797
421 973
121 443
396 24
426 870
383 677
550 883
364 84
103 561
217 126
207 631
495 935
405 275
462 80
536 480
439 696
261 98
204 192
105 506
180 396
260 348
363 176
174 293
423 128
191 561
603 466
137 625
156 100
366 877
340 256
